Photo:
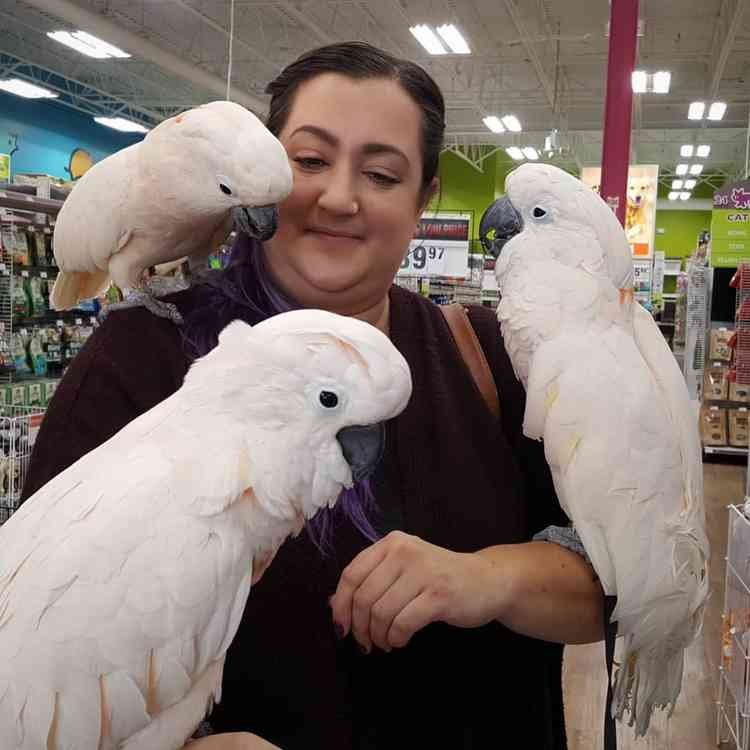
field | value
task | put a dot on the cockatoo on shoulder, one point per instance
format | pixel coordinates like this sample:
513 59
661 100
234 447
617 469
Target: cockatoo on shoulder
606 396
173 195
124 579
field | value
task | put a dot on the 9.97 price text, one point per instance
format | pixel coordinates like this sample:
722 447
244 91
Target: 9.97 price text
418 257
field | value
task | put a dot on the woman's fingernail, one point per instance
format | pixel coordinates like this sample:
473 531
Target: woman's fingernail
339 630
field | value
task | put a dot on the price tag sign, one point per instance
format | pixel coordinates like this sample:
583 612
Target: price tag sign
43 274
60 324
79 322
440 247
25 274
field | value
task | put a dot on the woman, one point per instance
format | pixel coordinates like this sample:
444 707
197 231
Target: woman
447 631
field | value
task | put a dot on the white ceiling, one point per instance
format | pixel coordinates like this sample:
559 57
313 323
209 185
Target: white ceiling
543 60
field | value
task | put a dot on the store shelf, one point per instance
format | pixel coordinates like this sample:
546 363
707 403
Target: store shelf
724 450
21 202
669 295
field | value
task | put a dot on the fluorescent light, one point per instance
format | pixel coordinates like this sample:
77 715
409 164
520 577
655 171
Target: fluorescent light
87 44
673 196
639 80
681 169
689 184
514 152
703 151
684 196
696 110
27 90
426 37
686 151
661 82
512 123
494 124
120 123
717 110
453 38
696 168
677 184
530 153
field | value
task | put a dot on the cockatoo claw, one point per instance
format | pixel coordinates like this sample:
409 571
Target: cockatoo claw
142 298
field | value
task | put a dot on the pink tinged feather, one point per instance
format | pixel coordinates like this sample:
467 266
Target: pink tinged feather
125 704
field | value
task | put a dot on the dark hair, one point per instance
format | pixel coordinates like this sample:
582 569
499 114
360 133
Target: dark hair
244 289
362 61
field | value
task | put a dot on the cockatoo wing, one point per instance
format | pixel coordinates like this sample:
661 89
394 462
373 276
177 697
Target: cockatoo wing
116 597
91 226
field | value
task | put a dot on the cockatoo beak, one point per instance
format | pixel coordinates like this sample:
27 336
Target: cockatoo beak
362 448
500 223
259 222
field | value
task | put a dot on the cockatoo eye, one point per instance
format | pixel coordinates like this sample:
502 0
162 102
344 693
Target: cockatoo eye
328 399
225 189
538 212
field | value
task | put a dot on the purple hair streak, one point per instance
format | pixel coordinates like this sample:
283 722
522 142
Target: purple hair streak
245 291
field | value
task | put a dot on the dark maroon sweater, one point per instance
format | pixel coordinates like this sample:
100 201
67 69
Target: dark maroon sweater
451 475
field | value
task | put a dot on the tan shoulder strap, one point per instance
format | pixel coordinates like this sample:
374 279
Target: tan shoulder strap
471 351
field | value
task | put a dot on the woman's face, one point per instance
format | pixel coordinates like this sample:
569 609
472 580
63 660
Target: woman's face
355 152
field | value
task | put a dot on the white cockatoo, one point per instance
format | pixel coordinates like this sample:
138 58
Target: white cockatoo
606 396
173 195
123 580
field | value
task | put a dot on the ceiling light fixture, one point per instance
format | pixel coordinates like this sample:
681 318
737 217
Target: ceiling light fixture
686 151
530 153
87 44
494 124
454 39
677 184
512 123
696 110
515 153
681 169
684 196
673 196
717 110
26 90
661 82
120 123
696 169
427 38
703 151
639 79
689 184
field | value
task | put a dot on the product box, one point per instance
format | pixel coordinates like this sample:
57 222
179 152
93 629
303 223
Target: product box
738 427
713 426
33 394
715 384
719 344
48 390
739 393
17 395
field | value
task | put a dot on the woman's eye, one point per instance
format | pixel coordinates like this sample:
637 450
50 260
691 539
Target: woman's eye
382 179
310 162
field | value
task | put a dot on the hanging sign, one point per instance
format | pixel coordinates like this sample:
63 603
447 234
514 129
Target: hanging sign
4 168
730 225
440 247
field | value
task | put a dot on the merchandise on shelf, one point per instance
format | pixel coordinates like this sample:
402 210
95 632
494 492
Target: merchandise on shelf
719 344
715 382
739 393
738 427
714 426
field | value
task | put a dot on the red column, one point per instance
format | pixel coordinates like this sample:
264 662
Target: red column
623 35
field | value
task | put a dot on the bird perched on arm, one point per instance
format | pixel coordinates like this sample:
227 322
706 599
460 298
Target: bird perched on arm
606 396
173 195
124 579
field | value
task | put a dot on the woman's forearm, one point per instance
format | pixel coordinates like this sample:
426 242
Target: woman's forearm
552 593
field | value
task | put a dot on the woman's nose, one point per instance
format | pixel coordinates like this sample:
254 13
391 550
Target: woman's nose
339 195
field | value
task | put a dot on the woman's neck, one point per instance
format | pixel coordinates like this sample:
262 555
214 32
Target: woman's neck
377 315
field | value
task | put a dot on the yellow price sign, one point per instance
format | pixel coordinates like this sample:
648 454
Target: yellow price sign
4 168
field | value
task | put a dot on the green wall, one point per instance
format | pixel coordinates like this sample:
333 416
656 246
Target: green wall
681 230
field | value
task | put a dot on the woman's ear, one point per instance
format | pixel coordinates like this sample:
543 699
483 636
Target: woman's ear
429 194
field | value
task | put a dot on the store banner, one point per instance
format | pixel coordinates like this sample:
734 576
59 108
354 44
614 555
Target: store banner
4 167
640 214
440 247
730 225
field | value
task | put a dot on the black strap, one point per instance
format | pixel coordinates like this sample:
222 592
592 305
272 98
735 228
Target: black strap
610 635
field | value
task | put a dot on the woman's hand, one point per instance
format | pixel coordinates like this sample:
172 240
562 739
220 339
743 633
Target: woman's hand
401 584
230 741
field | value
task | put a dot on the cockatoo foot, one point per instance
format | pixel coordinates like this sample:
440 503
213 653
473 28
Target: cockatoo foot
142 298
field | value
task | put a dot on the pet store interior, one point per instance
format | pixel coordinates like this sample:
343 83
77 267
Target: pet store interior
524 82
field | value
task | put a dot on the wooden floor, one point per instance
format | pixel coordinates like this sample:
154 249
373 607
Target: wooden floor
693 724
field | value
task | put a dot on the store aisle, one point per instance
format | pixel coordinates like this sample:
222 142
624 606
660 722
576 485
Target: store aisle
693 725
